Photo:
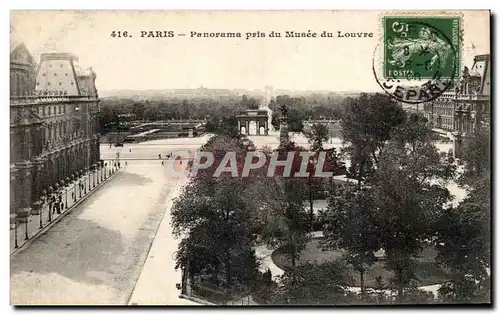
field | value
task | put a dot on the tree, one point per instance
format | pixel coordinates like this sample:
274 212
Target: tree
138 110
287 228
295 118
352 226
275 121
226 125
317 136
367 123
249 103
215 217
410 195
463 232
476 155
212 124
312 284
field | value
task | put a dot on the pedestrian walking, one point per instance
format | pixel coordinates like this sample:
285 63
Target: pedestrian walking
55 206
125 163
129 150
159 156
119 165
162 163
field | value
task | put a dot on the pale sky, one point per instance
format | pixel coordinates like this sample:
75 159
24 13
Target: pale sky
337 64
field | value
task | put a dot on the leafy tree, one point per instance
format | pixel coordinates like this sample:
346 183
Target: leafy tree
216 218
351 226
218 229
312 284
317 136
288 226
367 124
249 102
212 124
464 246
410 196
138 110
275 121
476 153
295 119
288 229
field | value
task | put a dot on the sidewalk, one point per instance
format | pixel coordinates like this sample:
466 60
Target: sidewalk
26 232
156 284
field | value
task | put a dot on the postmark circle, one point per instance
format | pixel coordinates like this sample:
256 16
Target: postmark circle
431 49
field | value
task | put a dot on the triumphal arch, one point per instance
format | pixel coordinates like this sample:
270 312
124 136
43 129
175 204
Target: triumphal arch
253 122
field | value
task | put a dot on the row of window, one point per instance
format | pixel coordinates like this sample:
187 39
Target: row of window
60 83
444 111
21 83
55 74
51 110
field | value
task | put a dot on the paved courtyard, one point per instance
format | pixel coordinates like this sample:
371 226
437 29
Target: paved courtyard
96 254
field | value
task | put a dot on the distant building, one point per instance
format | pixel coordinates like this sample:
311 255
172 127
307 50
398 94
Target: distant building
201 92
53 125
460 111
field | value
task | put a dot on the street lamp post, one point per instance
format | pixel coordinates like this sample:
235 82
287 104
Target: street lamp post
50 200
312 164
42 198
15 232
40 215
74 187
89 173
98 173
26 228
63 186
67 189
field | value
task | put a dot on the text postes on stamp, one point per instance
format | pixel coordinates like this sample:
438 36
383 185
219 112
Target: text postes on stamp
420 47
420 56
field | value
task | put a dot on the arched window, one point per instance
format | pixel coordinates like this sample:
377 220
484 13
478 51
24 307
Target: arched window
12 84
16 90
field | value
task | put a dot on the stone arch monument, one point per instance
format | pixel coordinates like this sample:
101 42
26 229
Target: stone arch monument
255 117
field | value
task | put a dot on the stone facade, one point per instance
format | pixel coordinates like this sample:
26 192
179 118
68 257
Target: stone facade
53 126
462 109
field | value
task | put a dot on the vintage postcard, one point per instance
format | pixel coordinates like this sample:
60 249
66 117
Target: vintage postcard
250 158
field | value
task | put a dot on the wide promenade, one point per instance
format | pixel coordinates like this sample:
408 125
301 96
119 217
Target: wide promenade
96 253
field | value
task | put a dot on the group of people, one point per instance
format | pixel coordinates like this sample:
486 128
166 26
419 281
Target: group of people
168 156
56 204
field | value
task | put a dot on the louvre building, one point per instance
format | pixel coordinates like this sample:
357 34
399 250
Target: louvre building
53 126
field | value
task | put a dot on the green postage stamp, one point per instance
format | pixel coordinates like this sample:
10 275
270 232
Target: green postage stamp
421 47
